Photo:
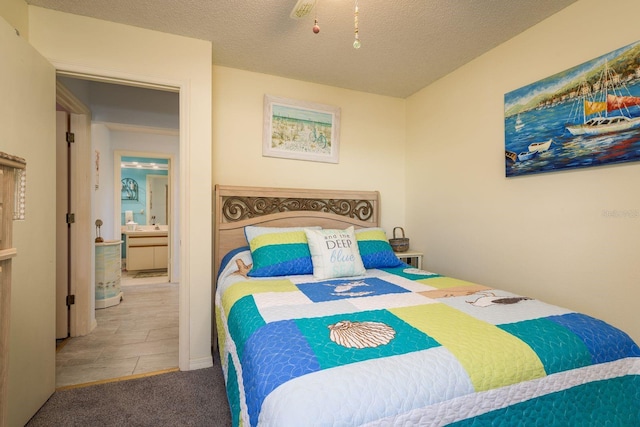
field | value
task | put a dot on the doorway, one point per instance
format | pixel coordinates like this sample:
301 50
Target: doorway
151 209
110 133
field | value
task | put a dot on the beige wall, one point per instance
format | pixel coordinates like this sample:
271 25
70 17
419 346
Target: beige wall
541 235
15 12
91 46
371 139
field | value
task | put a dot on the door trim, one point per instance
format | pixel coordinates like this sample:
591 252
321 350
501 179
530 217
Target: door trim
69 101
183 88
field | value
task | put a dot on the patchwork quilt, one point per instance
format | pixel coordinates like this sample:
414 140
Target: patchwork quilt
402 346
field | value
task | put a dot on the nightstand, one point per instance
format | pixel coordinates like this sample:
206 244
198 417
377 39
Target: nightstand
412 258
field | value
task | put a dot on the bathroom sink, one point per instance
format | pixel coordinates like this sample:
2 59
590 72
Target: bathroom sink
152 228
147 230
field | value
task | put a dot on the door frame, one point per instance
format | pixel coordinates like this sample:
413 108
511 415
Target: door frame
63 232
81 314
182 87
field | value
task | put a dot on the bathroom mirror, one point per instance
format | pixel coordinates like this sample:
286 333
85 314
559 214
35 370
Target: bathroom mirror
151 204
157 199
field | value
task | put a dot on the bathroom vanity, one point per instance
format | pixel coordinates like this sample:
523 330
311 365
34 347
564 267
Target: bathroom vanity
146 249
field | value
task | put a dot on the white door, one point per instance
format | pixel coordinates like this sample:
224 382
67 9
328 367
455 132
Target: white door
27 130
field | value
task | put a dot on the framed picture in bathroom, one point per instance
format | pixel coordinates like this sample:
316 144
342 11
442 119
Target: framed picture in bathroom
129 189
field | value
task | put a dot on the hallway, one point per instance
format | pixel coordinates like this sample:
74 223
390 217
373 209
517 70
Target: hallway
137 336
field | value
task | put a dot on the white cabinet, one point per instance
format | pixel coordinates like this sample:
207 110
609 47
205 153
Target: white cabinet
140 258
147 251
108 273
161 256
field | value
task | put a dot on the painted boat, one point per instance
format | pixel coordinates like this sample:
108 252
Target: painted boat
597 104
601 125
540 147
511 155
527 155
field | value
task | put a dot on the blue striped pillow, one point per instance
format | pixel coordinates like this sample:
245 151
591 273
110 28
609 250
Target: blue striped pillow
375 250
279 251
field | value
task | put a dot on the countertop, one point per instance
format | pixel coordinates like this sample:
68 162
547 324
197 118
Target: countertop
146 230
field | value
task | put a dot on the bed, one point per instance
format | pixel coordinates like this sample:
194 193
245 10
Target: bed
382 343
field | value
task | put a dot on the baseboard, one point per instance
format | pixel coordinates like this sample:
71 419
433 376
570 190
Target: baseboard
200 363
109 302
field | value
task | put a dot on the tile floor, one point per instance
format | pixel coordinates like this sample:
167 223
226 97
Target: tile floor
139 335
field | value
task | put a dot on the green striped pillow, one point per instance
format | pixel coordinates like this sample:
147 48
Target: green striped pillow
375 250
279 251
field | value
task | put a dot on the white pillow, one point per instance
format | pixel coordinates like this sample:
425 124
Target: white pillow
334 253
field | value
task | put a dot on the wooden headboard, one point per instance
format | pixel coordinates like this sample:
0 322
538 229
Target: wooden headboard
237 207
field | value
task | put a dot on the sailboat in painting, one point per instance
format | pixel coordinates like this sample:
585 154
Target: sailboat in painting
601 99
519 124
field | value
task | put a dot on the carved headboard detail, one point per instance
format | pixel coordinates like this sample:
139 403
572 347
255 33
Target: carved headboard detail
237 207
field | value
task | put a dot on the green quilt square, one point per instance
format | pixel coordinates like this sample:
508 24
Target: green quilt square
361 336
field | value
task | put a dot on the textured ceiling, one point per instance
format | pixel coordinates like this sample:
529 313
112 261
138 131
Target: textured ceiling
406 44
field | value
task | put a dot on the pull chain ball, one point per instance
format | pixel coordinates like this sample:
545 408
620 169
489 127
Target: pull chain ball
316 27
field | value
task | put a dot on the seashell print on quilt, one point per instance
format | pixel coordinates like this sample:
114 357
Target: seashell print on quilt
361 334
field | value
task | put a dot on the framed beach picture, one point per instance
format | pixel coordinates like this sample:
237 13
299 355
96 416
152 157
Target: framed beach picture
300 130
588 115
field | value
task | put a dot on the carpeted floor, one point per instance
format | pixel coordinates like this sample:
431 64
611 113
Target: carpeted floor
192 398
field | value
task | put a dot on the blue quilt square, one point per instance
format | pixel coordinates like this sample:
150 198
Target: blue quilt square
605 343
275 354
332 290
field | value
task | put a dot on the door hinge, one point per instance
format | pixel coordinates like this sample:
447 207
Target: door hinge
71 218
71 137
71 299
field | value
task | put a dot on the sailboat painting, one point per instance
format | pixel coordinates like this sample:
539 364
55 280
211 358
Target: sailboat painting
588 115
